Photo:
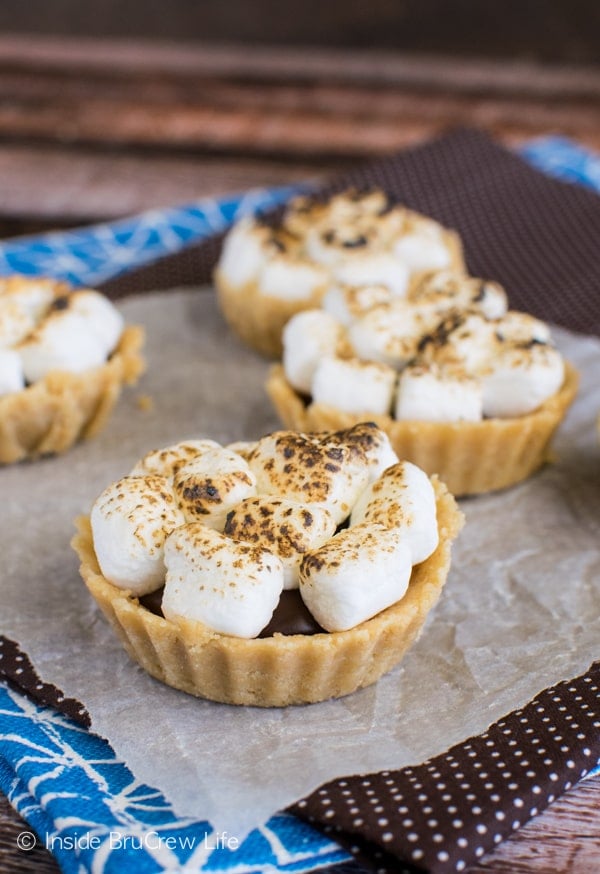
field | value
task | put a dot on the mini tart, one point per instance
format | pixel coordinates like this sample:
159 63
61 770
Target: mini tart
470 457
279 670
259 319
50 415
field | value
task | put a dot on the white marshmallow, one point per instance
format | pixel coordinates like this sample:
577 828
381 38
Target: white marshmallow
130 521
104 319
244 252
231 587
354 386
286 528
354 576
373 268
418 252
402 500
520 379
427 393
208 486
347 304
388 333
63 341
166 462
307 337
11 372
334 238
329 470
289 278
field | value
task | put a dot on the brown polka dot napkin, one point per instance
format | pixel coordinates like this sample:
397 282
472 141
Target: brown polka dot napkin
445 814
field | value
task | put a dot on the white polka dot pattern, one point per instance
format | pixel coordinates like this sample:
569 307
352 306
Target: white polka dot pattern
16 669
445 814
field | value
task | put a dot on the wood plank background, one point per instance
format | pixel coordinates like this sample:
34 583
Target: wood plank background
93 129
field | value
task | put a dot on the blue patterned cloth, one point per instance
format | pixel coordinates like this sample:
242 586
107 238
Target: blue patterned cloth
79 799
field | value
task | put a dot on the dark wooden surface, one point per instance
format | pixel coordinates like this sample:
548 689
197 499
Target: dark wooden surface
91 130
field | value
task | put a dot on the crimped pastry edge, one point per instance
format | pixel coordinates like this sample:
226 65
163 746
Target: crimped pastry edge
280 670
49 416
470 457
259 319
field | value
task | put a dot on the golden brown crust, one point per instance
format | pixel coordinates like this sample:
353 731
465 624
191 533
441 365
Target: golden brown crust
279 670
470 457
259 319
52 414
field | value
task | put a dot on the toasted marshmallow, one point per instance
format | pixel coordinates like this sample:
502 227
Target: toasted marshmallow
291 278
466 339
245 448
311 469
388 333
332 240
354 386
166 462
442 291
520 379
373 268
23 303
521 328
429 393
402 500
208 486
371 440
15 324
104 319
130 522
354 576
11 372
63 341
307 337
346 303
244 251
286 528
230 587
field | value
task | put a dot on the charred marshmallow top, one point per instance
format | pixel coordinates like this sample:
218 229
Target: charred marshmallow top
225 532
353 239
449 351
44 327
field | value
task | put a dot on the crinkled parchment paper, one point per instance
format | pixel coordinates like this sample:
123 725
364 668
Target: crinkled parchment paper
520 611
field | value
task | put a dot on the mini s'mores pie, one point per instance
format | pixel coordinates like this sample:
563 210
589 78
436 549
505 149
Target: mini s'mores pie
315 585
463 387
269 272
64 358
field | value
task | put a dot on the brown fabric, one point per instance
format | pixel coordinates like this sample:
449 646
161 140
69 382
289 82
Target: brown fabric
537 235
17 670
445 814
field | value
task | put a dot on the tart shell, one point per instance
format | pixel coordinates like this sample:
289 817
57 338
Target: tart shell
280 670
259 319
470 457
49 416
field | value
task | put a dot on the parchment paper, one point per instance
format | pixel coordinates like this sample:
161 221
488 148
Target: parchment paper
521 609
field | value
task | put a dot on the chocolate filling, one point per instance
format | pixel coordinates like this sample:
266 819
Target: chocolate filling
291 615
